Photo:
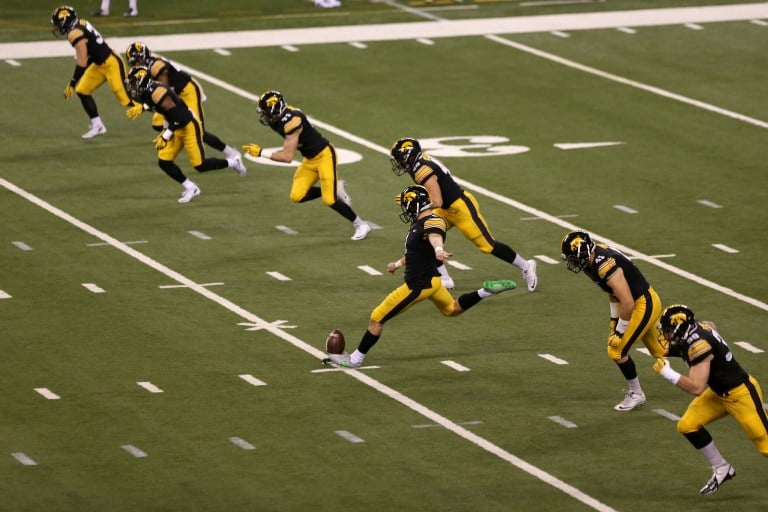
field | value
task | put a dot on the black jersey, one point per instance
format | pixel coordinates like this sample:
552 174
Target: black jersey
426 167
420 262
724 372
177 116
177 79
98 50
607 261
311 141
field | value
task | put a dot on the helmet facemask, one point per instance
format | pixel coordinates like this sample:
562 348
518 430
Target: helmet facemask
271 107
413 200
577 248
404 155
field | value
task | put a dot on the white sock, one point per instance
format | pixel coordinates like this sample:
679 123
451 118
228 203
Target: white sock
634 385
713 455
520 263
189 184
443 271
96 121
358 221
357 357
230 151
132 5
483 293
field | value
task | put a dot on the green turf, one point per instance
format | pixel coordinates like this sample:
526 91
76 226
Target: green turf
92 349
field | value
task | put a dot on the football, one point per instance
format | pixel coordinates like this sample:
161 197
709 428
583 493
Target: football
334 344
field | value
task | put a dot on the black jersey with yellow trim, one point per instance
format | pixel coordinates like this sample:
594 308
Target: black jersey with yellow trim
420 262
98 50
311 141
177 78
724 372
428 166
607 261
177 116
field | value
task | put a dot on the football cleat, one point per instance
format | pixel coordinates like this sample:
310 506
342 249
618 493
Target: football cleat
130 13
632 400
495 287
236 162
341 361
189 194
720 475
362 230
94 130
531 279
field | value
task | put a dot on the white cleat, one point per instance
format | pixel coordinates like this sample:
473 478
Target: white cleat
531 279
632 400
362 231
341 193
720 475
130 13
236 162
95 130
189 194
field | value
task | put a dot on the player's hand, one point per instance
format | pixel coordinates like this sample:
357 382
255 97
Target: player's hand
252 149
660 364
69 90
443 255
160 142
614 340
392 266
133 112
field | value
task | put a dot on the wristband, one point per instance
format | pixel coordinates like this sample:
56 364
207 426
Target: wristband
671 375
438 249
614 309
622 325
167 134
398 264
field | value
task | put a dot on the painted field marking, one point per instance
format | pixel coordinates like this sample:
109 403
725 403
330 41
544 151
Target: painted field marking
562 421
553 2
644 350
286 230
666 414
185 286
547 259
458 265
24 459
456 366
22 246
199 234
91 287
762 23
4 295
725 248
584 145
136 452
242 443
47 393
560 33
150 387
349 436
564 216
425 41
289 48
708 203
250 379
13 63
279 276
553 359
369 270
654 256
332 369
693 26
98 244
223 52
358 44
625 209
627 30
749 347
433 425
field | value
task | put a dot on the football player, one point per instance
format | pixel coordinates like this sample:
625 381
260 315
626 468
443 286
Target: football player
96 64
318 162
424 247
720 384
183 85
183 132
634 305
454 204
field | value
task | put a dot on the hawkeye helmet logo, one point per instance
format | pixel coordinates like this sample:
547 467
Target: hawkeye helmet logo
576 244
406 146
678 319
271 101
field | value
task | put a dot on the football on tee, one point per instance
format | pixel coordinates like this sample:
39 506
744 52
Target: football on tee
334 344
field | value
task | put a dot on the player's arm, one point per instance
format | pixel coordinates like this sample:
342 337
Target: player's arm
392 266
435 194
436 240
81 53
695 382
290 146
622 292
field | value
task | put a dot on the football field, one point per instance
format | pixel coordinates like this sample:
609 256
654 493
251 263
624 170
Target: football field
160 356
